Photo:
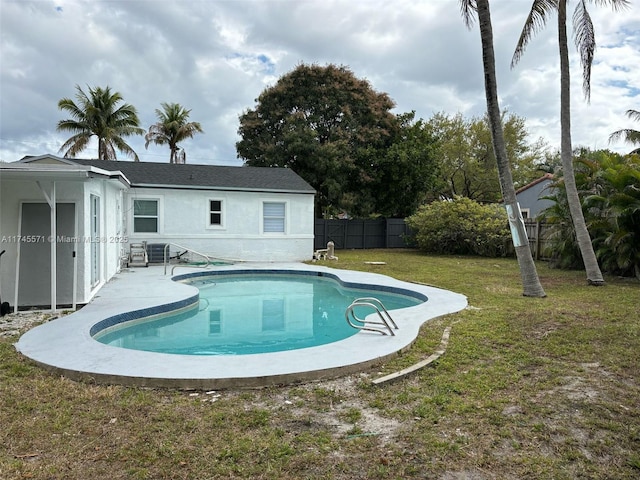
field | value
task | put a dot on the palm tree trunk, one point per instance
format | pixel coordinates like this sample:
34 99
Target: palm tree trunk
530 281
594 276
101 150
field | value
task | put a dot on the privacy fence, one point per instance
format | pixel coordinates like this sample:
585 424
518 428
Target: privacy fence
362 234
394 233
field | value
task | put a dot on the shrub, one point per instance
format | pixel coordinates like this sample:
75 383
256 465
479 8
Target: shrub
461 226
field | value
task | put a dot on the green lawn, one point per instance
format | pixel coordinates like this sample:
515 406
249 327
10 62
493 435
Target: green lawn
528 388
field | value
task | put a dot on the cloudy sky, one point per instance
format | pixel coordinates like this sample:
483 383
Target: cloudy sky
216 56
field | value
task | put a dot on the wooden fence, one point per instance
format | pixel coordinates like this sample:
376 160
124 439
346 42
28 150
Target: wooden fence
538 233
394 233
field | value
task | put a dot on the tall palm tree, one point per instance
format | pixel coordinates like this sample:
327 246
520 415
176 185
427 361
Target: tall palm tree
584 37
98 114
528 272
171 129
628 134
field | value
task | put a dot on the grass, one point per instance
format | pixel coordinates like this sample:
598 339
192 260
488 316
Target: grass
527 389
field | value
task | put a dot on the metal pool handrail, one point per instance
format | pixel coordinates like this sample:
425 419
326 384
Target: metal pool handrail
385 319
166 257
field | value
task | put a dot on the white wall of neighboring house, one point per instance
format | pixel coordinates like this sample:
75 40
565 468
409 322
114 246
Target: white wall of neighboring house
183 218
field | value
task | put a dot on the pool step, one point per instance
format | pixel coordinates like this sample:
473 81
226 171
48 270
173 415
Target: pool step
385 326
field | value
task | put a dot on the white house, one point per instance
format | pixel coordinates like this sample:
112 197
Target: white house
63 255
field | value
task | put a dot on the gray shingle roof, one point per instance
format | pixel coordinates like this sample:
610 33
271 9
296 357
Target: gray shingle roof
205 176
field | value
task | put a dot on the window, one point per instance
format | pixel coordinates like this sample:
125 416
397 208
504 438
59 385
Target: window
273 314
215 212
215 322
145 216
526 212
273 217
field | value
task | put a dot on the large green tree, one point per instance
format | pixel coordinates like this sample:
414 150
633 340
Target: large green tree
628 135
528 272
101 114
403 176
468 163
584 35
325 124
173 127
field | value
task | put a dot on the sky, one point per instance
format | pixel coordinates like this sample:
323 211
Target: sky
215 57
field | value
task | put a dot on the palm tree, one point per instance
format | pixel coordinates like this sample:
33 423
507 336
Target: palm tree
628 134
528 272
171 129
99 114
584 36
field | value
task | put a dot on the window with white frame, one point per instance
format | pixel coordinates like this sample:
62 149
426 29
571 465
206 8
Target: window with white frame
273 215
215 213
272 314
145 216
215 322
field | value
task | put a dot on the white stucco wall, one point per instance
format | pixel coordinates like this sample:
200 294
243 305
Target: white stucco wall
184 219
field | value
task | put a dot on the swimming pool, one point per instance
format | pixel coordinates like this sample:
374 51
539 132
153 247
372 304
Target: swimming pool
66 345
249 312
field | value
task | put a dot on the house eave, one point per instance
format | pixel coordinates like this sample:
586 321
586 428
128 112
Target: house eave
222 189
17 170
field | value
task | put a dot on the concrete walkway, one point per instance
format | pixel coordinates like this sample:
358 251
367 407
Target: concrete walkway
66 347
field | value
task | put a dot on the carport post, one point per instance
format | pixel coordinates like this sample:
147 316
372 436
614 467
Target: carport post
51 200
54 253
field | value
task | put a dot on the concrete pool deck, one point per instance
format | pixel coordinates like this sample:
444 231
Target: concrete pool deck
66 346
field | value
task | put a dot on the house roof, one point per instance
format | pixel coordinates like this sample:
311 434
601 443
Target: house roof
546 176
191 176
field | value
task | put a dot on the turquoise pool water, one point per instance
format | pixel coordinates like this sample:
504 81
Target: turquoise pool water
258 313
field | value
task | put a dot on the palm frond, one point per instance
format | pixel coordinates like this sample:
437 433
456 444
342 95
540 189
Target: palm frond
585 40
468 9
536 21
633 115
616 5
75 144
627 135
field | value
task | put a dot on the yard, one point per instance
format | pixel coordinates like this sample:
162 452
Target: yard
527 388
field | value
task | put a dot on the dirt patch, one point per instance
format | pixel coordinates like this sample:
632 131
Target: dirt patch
17 323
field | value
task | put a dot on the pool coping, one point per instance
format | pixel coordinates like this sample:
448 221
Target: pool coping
65 345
